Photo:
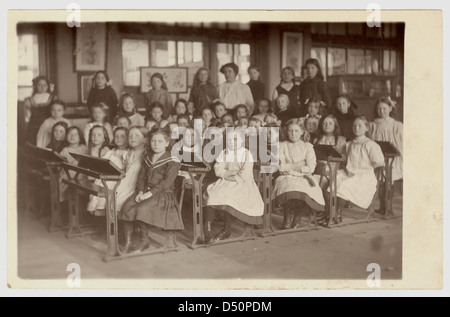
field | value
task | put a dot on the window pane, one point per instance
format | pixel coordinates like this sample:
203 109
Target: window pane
356 62
135 54
28 59
242 59
375 61
224 56
336 62
190 55
393 66
163 53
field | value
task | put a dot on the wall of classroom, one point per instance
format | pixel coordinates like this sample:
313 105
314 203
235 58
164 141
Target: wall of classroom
267 54
265 40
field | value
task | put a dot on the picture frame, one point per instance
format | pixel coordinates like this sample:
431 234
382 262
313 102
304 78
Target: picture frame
292 51
90 47
84 86
176 78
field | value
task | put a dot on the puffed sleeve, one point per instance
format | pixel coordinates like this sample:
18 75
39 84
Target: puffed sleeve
168 181
142 178
398 137
376 156
311 161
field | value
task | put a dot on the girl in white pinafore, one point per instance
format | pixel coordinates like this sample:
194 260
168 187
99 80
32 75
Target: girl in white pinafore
296 189
118 157
387 129
236 191
131 165
358 183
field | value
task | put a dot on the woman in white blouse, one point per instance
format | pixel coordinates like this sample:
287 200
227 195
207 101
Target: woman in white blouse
233 92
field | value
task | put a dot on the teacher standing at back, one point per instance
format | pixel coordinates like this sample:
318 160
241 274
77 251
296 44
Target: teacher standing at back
233 92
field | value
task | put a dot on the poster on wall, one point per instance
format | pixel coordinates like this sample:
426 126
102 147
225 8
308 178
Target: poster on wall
176 78
292 51
90 50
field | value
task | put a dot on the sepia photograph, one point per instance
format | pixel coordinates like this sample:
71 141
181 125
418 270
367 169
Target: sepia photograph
267 150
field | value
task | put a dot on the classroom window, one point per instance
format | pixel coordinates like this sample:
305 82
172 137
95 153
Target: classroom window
236 53
28 64
135 54
143 53
340 61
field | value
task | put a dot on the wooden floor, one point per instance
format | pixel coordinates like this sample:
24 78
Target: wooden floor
338 253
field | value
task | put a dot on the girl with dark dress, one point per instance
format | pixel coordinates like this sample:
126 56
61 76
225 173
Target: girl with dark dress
101 92
37 107
154 202
313 85
289 88
203 93
345 115
255 84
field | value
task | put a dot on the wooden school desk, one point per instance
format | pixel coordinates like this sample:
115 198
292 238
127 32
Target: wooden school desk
46 163
390 153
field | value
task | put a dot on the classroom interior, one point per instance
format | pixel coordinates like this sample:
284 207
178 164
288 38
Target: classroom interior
363 62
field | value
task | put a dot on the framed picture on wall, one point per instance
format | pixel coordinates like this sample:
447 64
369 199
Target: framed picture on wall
90 47
85 84
176 78
292 51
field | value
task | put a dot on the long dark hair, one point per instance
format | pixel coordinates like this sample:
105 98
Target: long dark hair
104 144
58 146
95 76
336 132
197 81
160 77
315 62
35 82
80 134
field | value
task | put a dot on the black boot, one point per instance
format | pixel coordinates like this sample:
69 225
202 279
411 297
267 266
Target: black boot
144 244
208 232
226 231
128 230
